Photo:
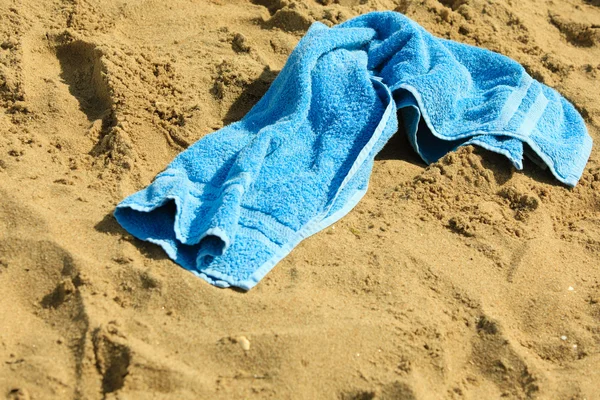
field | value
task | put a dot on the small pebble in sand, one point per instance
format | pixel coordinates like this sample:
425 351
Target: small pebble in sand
571 288
9 44
240 43
244 343
563 337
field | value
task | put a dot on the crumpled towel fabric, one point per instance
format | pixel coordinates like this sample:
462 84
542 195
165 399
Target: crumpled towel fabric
240 199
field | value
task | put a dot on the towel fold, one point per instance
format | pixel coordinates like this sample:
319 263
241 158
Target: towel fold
240 199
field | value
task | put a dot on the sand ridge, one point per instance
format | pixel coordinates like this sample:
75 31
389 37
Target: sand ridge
462 279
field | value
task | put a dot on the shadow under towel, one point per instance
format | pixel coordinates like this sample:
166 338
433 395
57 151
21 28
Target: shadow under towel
240 199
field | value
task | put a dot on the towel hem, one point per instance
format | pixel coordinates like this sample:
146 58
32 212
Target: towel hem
568 179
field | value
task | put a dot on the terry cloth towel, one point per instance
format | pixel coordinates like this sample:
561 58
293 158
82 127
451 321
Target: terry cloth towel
238 201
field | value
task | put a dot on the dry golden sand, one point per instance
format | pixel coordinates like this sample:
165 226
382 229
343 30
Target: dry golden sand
464 279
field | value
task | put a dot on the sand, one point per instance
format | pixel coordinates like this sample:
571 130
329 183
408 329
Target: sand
464 279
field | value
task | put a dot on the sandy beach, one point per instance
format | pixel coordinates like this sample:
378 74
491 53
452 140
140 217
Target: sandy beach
464 279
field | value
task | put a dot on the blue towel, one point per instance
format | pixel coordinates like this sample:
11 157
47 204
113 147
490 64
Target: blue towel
238 201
